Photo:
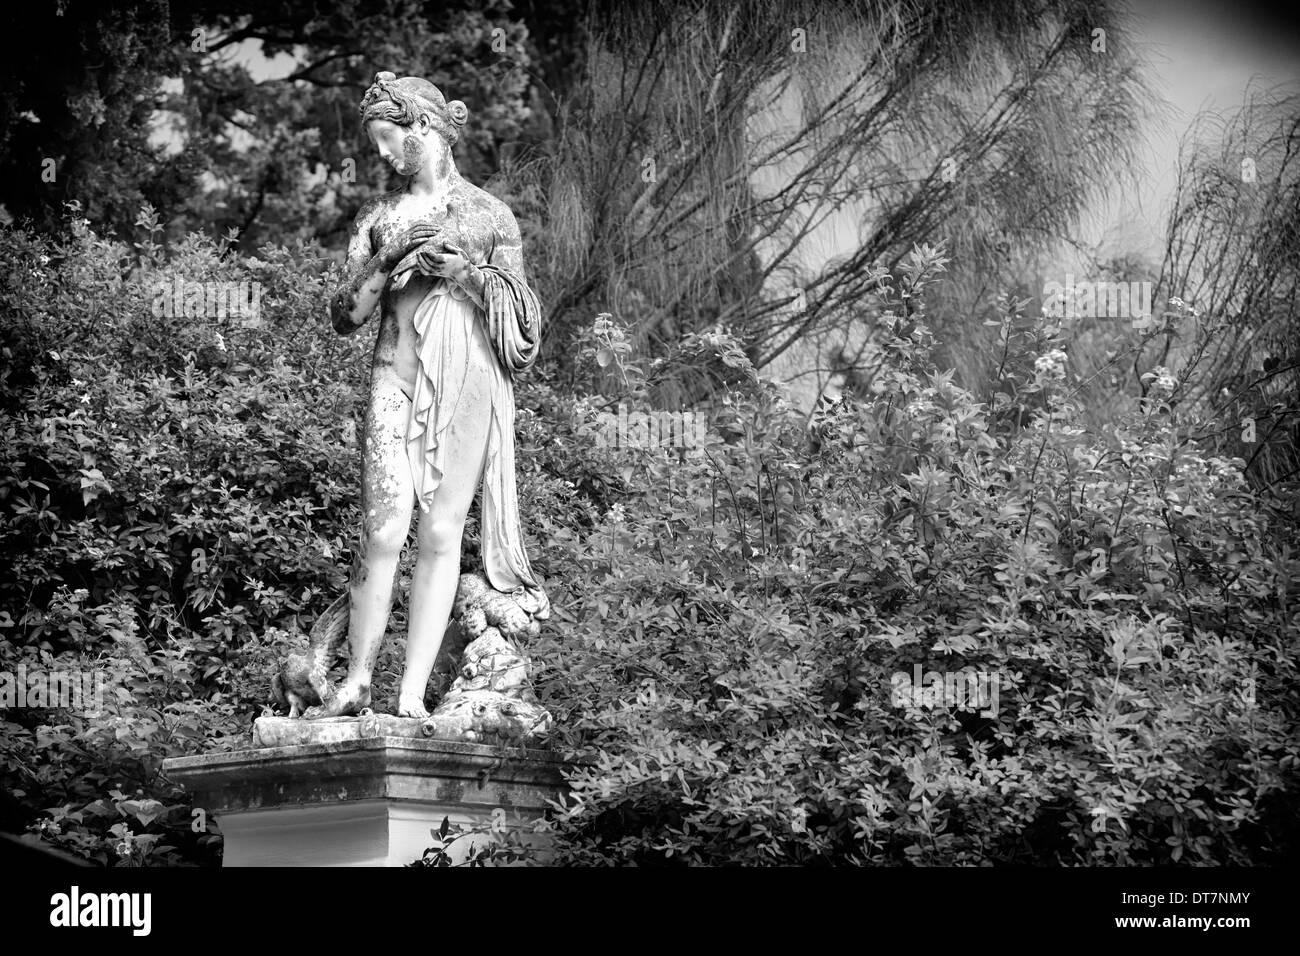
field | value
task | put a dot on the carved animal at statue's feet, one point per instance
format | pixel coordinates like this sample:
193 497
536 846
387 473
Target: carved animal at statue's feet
302 683
481 606
492 663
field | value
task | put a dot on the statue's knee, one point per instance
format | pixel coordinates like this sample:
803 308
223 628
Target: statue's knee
441 535
384 537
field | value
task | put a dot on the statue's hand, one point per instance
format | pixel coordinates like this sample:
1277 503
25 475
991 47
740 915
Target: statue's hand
452 262
408 240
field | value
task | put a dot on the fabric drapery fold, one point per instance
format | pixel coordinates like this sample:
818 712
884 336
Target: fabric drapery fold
445 325
514 318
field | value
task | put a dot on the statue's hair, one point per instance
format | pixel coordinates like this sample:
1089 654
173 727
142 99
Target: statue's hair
404 101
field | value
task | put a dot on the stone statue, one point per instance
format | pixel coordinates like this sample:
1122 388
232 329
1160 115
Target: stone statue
443 260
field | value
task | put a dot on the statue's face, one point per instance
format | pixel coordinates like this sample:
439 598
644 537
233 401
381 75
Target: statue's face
406 148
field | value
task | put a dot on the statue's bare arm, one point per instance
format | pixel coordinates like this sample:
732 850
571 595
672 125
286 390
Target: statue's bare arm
367 271
508 253
364 277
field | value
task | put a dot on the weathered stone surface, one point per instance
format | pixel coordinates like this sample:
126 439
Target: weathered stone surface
366 767
289 732
357 799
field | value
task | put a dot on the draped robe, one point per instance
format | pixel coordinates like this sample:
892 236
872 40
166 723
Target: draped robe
446 341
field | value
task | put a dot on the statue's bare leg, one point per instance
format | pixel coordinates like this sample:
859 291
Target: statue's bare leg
387 497
437 566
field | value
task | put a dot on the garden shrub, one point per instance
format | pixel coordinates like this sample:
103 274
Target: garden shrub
732 624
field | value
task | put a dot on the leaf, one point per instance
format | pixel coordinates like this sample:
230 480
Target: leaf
604 357
146 811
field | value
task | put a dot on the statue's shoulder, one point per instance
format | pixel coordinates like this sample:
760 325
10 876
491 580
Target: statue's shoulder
373 210
374 219
484 201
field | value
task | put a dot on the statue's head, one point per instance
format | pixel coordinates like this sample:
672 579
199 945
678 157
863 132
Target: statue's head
410 122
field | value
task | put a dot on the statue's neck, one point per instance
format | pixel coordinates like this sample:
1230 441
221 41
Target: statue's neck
435 180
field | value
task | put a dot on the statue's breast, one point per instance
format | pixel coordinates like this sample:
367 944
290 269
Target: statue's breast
473 223
467 221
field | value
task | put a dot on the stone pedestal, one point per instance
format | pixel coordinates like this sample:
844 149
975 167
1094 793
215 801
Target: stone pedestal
359 791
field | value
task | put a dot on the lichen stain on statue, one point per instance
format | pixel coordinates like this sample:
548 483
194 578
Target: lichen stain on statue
441 262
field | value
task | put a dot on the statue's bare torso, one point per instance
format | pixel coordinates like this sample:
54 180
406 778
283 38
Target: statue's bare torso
468 215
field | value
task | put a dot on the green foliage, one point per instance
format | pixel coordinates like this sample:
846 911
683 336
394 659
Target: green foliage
728 628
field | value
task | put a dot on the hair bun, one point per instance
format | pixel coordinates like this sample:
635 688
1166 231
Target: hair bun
458 112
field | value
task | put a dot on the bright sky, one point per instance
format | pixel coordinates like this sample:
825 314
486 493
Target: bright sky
1202 55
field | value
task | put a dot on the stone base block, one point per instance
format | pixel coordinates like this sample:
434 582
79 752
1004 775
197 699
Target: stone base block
360 800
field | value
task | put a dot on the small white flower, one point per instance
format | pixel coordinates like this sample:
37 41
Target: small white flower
1162 381
1050 366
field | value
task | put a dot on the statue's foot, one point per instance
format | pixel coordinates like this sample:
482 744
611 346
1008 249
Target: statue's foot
411 705
348 701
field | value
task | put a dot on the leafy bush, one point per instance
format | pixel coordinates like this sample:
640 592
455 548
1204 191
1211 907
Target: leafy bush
730 628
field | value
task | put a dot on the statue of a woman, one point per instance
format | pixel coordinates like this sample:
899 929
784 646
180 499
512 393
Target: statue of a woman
443 259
